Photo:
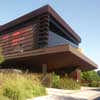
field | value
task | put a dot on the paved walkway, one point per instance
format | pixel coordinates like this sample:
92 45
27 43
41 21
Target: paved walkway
86 93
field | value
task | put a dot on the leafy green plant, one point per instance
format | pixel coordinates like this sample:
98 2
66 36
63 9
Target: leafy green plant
55 81
90 78
38 90
98 72
64 82
93 84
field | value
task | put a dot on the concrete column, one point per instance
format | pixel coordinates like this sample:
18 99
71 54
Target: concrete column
44 69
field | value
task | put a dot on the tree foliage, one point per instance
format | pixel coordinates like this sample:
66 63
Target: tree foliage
90 76
98 72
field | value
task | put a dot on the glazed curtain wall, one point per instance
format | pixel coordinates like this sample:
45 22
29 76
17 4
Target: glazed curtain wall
55 39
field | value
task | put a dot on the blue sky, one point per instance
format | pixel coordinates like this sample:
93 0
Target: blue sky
82 15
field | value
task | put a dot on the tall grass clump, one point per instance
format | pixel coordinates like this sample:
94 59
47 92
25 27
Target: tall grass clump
55 81
1 56
64 82
3 98
20 86
68 83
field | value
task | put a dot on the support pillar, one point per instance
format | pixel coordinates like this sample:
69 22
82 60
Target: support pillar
76 74
44 69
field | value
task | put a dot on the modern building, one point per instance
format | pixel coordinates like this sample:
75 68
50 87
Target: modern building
42 41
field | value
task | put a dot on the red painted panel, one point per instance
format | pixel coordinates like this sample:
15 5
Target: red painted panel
16 33
5 37
16 41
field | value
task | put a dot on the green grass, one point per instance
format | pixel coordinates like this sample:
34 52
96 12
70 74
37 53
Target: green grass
3 98
20 86
68 83
14 86
64 82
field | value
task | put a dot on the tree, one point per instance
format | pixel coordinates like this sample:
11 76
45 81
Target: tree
90 76
98 72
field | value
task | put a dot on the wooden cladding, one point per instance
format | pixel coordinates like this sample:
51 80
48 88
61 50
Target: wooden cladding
27 38
43 29
18 41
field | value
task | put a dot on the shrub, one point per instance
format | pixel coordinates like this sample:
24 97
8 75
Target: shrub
21 86
67 83
93 84
91 78
38 90
18 89
55 81
98 72
64 82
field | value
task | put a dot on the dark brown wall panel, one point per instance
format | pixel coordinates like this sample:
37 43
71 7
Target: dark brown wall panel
28 36
19 40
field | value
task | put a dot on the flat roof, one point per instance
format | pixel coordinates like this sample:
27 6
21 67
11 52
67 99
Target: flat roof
37 12
63 56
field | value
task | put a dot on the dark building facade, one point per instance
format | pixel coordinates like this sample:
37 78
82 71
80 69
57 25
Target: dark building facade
42 40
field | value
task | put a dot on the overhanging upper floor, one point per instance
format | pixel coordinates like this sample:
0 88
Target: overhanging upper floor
57 57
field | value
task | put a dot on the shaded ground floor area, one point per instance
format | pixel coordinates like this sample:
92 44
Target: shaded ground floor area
60 59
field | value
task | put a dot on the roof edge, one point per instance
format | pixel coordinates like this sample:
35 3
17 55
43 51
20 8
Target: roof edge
46 8
63 23
25 17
